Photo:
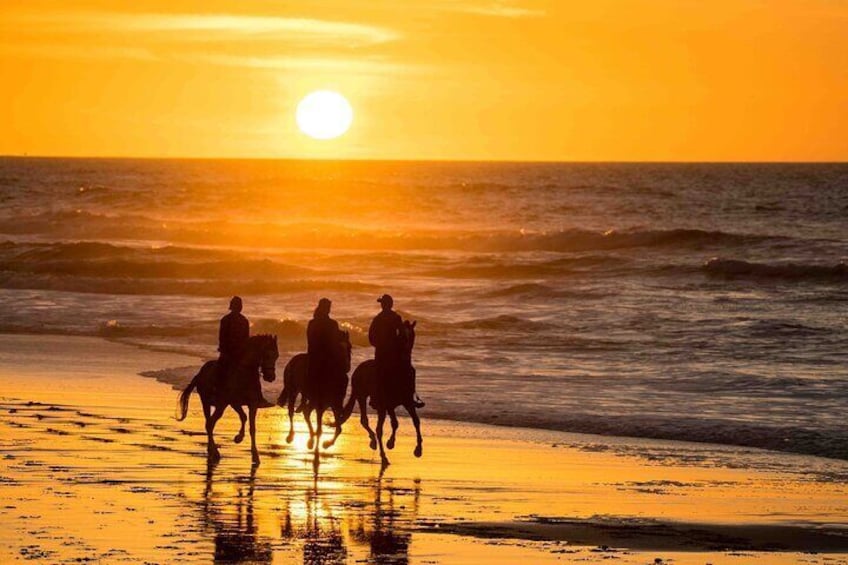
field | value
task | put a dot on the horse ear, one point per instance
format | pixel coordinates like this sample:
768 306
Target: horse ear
275 340
414 323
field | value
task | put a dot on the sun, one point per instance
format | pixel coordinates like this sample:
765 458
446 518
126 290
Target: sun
324 114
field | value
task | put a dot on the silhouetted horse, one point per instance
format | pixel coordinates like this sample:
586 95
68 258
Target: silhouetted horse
400 393
240 388
330 397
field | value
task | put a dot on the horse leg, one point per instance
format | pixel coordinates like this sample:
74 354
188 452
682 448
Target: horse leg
253 451
363 419
337 412
320 417
416 421
307 414
290 406
243 417
394 421
381 419
211 449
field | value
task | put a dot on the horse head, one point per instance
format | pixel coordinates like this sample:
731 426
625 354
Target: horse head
408 335
268 355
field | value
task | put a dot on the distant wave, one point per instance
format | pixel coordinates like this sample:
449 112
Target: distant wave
503 322
292 333
504 268
294 330
97 259
132 286
733 268
541 291
85 225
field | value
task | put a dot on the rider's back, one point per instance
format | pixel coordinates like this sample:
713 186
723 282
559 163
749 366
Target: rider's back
383 333
233 334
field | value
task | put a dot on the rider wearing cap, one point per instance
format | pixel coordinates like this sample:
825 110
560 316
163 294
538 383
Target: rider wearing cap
385 334
233 334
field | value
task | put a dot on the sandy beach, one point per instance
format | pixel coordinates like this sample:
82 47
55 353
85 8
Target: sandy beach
94 468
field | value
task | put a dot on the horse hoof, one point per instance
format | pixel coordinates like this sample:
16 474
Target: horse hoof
213 457
310 444
290 437
385 462
373 444
418 451
390 444
255 459
239 438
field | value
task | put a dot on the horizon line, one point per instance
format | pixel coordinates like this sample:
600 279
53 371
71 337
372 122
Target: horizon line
432 160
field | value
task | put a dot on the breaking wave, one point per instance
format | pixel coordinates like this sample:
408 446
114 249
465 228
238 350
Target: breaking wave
733 268
84 225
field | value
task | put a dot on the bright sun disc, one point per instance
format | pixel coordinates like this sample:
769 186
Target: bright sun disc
324 114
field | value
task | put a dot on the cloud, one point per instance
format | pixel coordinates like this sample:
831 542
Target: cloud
495 9
359 66
219 26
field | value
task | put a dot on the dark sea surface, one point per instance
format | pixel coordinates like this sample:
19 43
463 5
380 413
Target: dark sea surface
703 302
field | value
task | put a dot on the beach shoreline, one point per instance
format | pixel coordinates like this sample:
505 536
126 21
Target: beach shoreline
94 466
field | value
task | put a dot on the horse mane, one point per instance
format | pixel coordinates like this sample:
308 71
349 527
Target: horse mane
409 337
262 338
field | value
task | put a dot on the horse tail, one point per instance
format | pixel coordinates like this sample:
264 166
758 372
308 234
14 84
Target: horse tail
184 396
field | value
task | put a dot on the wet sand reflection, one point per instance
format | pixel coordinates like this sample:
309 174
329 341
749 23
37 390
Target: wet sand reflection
235 535
318 521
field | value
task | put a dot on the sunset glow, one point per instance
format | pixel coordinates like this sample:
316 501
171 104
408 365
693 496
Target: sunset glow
477 79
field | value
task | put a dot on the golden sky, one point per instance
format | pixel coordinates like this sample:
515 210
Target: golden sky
428 79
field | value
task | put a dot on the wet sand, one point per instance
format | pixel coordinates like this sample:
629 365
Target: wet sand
94 468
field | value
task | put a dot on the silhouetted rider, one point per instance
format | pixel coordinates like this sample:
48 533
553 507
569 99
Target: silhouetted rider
323 348
232 338
385 334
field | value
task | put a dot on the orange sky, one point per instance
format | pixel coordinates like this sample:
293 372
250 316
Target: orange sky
429 79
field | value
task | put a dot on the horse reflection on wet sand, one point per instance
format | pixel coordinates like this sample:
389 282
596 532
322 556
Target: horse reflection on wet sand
380 526
234 526
295 519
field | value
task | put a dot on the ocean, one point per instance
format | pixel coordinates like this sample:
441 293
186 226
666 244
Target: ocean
698 302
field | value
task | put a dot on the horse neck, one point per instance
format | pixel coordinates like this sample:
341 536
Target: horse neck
251 357
346 349
407 343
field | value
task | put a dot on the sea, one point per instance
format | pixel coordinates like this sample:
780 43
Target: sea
699 302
